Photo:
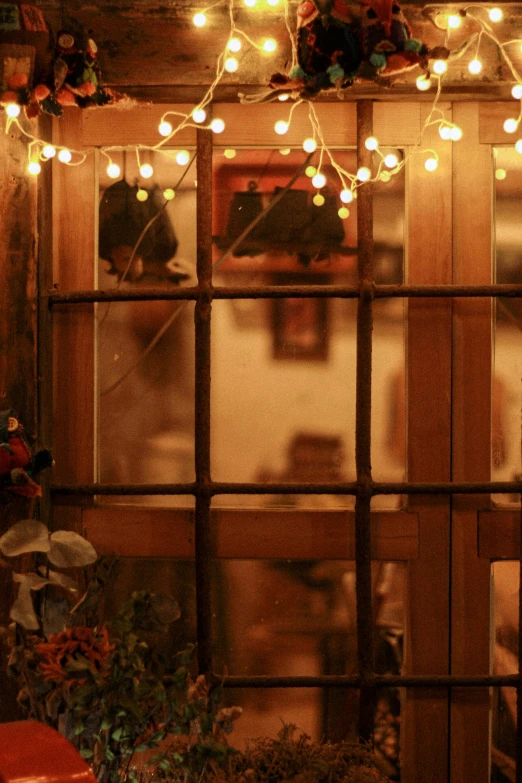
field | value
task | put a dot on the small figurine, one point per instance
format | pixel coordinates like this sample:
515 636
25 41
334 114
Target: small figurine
18 465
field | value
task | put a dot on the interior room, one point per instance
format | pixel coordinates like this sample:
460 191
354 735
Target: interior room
260 431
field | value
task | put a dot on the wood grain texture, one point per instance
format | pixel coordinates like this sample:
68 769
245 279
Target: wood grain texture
499 535
249 533
491 118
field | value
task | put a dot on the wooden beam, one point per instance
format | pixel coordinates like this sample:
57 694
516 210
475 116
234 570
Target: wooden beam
499 534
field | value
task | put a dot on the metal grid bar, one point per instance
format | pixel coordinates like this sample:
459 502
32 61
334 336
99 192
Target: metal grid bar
518 767
282 291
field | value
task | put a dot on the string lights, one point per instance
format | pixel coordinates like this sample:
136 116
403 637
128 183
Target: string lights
481 20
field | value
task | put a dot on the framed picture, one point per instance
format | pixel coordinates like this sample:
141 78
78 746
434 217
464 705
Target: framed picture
300 328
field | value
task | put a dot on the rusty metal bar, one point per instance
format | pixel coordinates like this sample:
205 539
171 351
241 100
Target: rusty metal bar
518 770
202 536
363 420
375 680
283 291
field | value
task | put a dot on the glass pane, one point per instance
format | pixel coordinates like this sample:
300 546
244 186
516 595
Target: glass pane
145 350
506 392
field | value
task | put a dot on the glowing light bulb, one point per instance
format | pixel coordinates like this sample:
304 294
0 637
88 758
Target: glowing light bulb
142 195
371 143
283 97
33 167
269 45
496 14
391 160
430 164
440 67
234 44
146 170
423 83
199 20
199 115
385 176
272 2
250 3
518 146
49 151
281 127
182 158
454 21
511 125
217 125
229 154
516 92
364 174
456 133
319 180
500 174
474 66
309 145
231 65
113 170
12 110
310 171
164 128
285 151
318 200
64 156
168 194
343 213
445 132
346 196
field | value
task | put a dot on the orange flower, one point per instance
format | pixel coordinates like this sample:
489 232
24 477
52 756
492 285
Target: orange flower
63 648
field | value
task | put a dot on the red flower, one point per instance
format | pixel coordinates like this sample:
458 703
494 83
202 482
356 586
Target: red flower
63 648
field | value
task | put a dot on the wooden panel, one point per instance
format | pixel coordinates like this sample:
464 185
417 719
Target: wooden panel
139 125
499 535
424 733
491 122
471 398
249 533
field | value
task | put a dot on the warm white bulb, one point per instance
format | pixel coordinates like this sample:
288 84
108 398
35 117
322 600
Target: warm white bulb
281 127
445 132
346 196
199 20
168 194
423 83
454 21
199 115
12 110
285 151
64 156
385 176
440 67
500 174
319 180
272 2
49 151
283 97
269 45
142 195
371 143
391 160
430 164
474 66
234 44
309 145
182 158
310 171
33 167
250 3
511 125
343 213
231 65
456 133
113 170
516 92
318 200
518 146
229 154
217 125
164 128
146 170
496 14
364 174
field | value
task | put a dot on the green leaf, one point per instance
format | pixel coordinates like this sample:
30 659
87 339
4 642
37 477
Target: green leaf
22 610
25 536
35 581
57 578
109 755
70 550
141 747
116 735
86 753
106 723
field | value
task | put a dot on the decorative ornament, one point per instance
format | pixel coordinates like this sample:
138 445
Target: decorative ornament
18 465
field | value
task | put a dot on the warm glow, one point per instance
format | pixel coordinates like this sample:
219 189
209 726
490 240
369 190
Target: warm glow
281 127
364 174
456 133
113 170
33 167
64 156
49 151
346 196
319 180
310 171
272 2
13 110
371 143
445 132
250 3
285 151
231 65
146 170
440 67
518 146
516 92
165 128
423 83
474 66
229 154
454 21
234 44
511 125
431 164
269 45
283 97
385 176
142 195
199 115
318 200
500 174
217 125
309 145
182 158
496 15
168 194
343 213
391 160
199 20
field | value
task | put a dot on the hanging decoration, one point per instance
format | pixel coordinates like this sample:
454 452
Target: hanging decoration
19 466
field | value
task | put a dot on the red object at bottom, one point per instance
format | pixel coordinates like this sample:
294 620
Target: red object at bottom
31 752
